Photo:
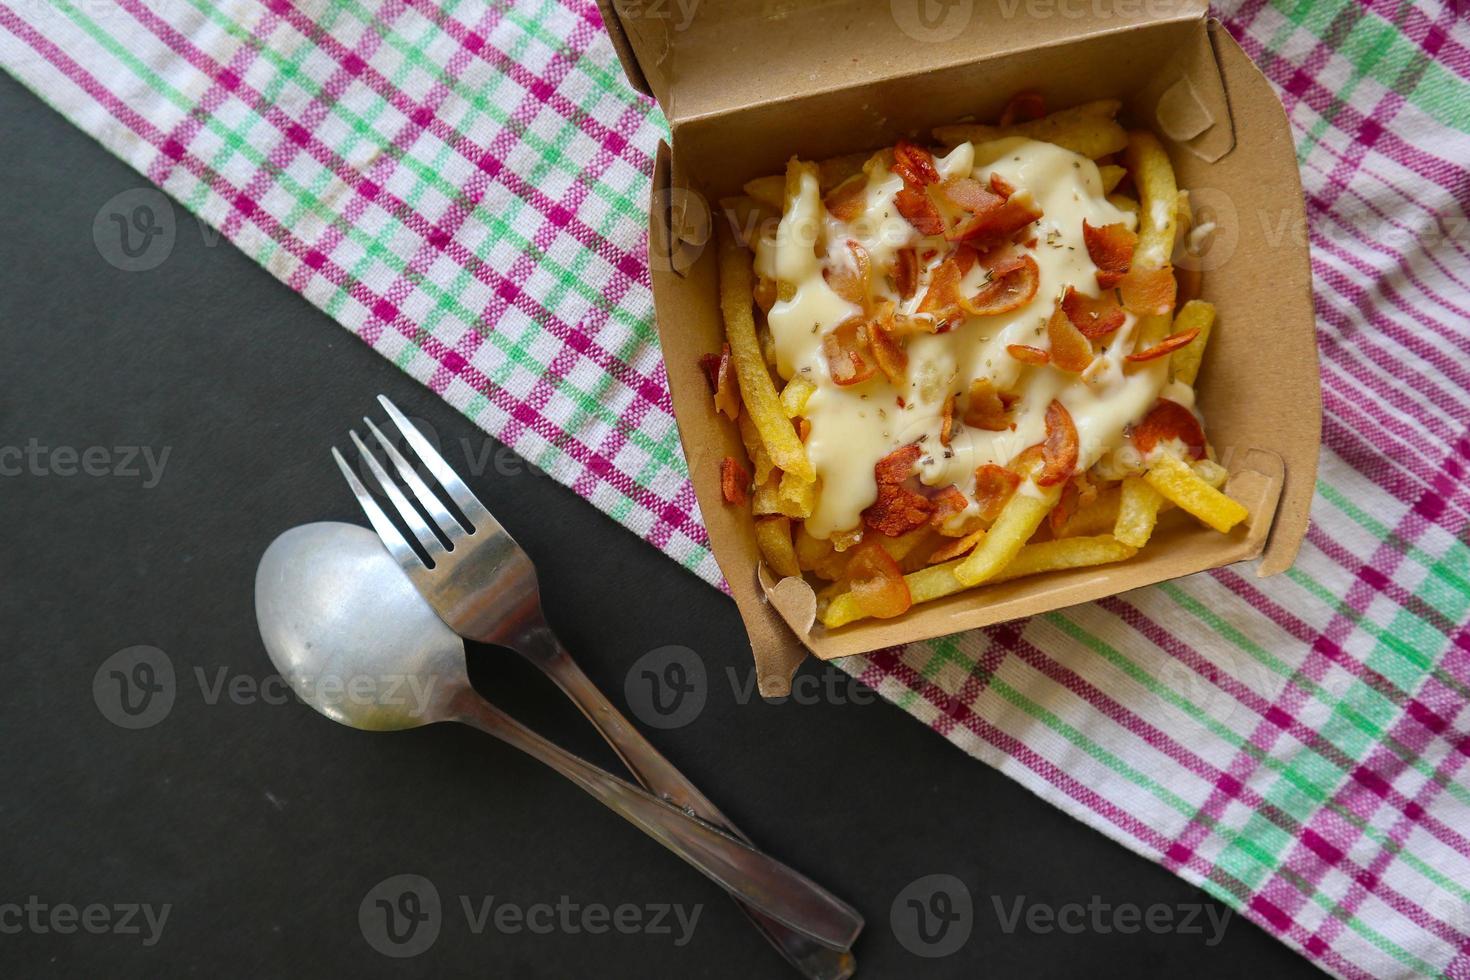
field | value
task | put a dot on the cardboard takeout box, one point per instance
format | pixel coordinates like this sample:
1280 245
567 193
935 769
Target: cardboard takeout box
745 84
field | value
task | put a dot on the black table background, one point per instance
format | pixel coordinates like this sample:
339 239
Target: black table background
264 825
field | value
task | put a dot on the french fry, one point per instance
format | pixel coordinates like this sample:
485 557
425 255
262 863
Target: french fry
766 499
835 170
769 192
773 537
1123 203
810 550
903 545
1087 129
795 395
1138 511
1018 520
1112 175
755 450
1158 198
1176 481
1211 472
1097 516
937 581
756 388
796 497
1185 361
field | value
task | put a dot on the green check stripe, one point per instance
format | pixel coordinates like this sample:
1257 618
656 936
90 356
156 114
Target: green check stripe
378 249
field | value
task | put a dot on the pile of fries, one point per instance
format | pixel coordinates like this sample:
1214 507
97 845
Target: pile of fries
1048 506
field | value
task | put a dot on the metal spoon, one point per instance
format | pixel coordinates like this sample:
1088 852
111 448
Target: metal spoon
353 637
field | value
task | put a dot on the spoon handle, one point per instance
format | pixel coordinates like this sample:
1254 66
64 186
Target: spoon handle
657 774
759 879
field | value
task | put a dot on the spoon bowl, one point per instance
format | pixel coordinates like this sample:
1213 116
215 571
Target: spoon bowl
350 634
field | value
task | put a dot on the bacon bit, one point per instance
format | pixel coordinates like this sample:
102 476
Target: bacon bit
986 408
1086 489
1070 350
1093 318
904 325
766 293
917 208
1065 508
1059 450
1027 354
970 195
727 388
1012 286
710 365
1023 107
734 478
876 582
906 273
898 465
1170 420
1030 242
853 284
847 200
892 359
914 164
1111 250
1148 291
948 503
1027 462
849 358
898 509
955 548
993 487
1001 186
1166 346
995 225
946 422
944 288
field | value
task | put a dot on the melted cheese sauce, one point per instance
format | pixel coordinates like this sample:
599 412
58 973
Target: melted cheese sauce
852 428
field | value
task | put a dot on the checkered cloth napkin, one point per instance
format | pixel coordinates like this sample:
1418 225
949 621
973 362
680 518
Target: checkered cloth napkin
463 186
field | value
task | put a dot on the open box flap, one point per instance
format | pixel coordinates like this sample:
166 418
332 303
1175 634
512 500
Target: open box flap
701 58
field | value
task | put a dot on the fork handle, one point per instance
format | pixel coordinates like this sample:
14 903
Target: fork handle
759 879
648 765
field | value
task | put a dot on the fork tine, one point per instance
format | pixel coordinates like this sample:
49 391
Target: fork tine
468 503
411 517
406 557
433 506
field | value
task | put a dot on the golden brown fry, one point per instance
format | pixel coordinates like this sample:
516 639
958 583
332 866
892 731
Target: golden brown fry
810 550
796 497
1185 362
766 499
756 388
768 192
1088 129
773 536
1175 480
755 450
1138 511
1097 516
1158 198
795 395
1112 175
1018 520
938 581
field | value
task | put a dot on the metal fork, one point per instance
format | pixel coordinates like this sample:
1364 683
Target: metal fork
484 587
